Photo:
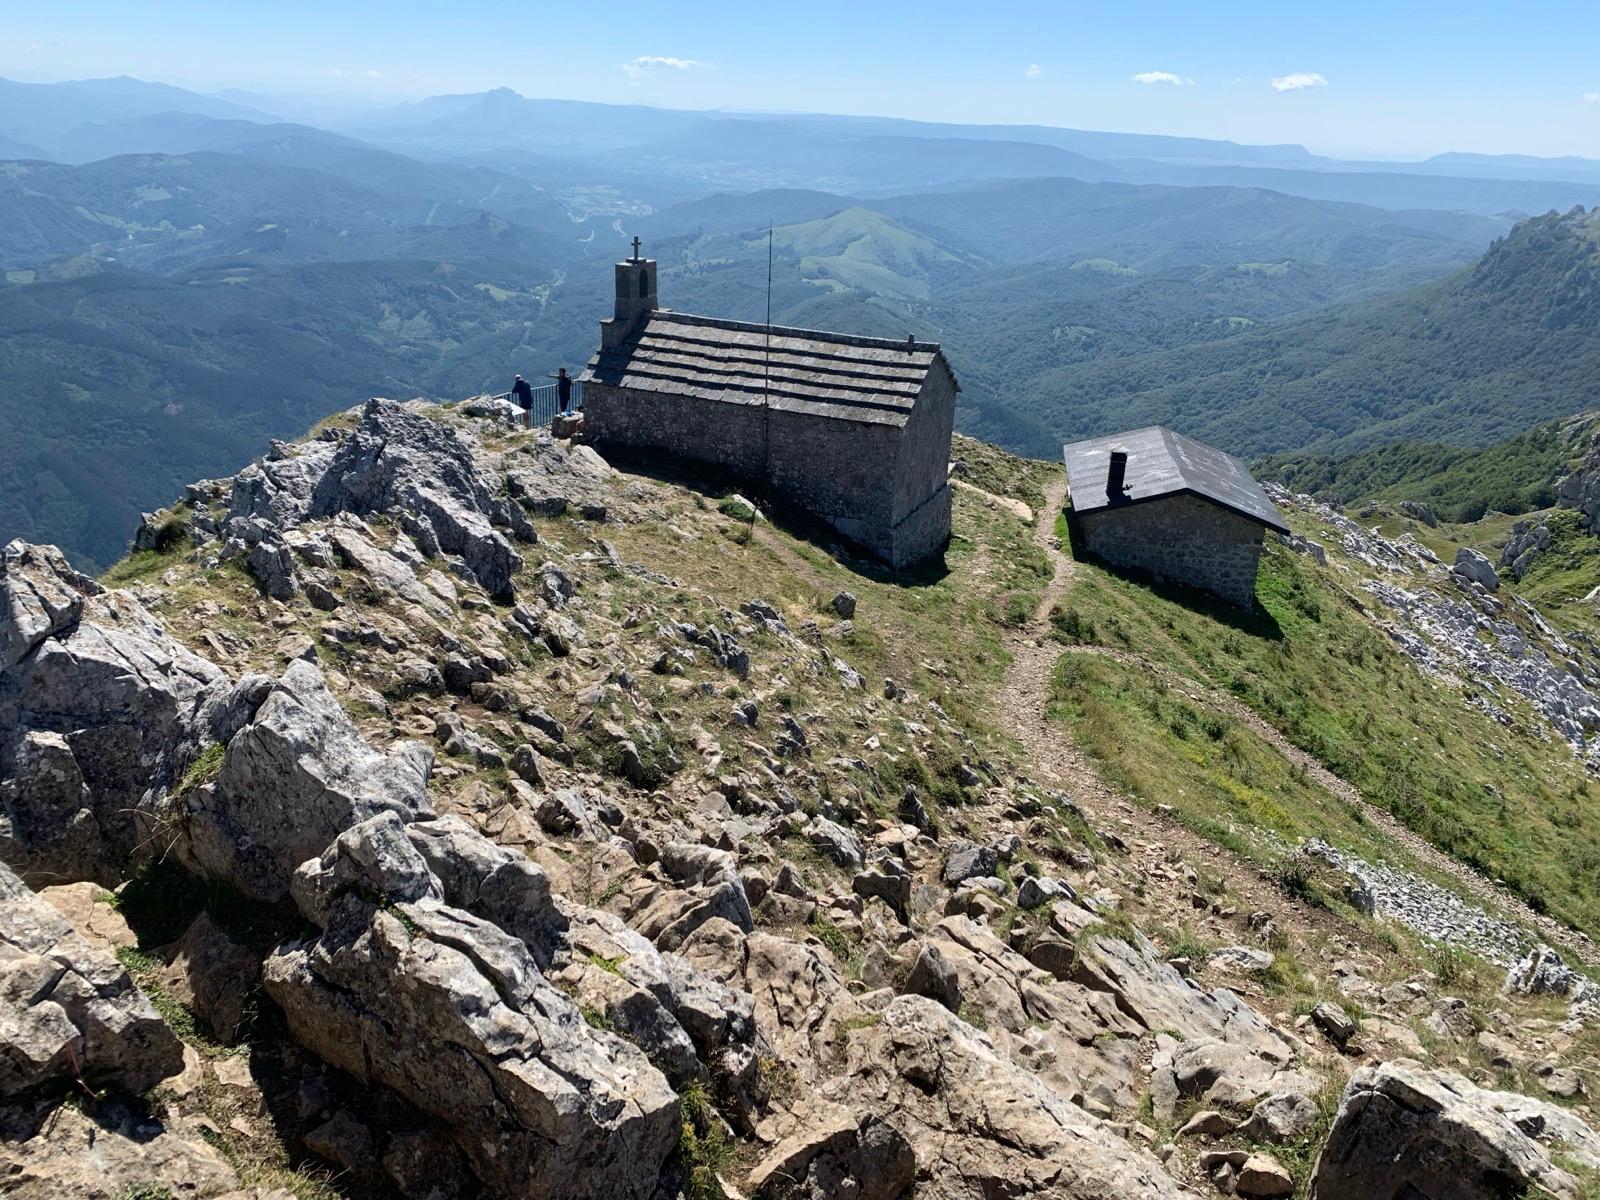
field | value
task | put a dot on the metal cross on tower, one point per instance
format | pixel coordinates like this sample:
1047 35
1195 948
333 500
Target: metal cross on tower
636 248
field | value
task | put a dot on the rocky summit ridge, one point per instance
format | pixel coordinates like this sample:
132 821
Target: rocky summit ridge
431 810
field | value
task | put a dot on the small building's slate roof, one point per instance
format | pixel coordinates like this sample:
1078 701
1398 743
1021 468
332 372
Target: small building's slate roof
1163 463
837 375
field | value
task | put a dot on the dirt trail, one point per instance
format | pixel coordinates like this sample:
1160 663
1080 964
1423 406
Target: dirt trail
1024 699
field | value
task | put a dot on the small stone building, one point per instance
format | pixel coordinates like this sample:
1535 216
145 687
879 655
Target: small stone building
1172 506
855 430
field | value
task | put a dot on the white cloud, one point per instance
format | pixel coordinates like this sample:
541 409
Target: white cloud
338 72
374 74
33 49
1161 77
646 63
1298 80
1033 72
1591 97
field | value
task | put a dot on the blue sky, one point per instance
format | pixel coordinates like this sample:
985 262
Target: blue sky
1387 79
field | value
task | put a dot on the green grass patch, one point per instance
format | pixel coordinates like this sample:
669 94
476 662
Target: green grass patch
1315 666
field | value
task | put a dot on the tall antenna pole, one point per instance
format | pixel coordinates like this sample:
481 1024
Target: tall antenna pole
766 386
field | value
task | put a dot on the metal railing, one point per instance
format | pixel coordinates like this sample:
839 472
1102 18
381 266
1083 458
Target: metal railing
546 404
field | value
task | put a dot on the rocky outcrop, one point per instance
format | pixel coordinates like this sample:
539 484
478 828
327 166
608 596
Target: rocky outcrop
292 780
211 975
1528 540
841 1153
1474 566
101 711
396 458
453 1013
1580 488
979 1125
1402 1130
68 1011
119 1153
277 491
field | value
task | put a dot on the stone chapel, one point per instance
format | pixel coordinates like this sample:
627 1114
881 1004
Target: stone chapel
855 430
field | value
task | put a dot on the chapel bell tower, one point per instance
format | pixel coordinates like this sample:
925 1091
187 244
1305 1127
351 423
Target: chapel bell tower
636 298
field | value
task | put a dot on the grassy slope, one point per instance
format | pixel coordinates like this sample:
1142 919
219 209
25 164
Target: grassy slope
1513 803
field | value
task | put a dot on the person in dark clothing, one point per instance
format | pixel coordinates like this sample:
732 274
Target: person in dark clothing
563 389
524 394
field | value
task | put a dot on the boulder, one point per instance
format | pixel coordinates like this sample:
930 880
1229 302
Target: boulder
41 596
454 1015
1402 1130
1282 1117
840 1153
1471 565
932 976
117 1152
276 491
1333 1021
980 1125
1262 1176
292 780
69 1011
1246 960
101 712
396 458
835 841
970 862
212 975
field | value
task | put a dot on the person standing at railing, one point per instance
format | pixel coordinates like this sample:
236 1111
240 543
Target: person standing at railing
524 394
563 389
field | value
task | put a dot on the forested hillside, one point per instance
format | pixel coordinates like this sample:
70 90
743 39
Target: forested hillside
1469 360
1459 483
170 311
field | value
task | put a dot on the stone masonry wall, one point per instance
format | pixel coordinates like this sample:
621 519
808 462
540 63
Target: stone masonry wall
1183 539
726 435
878 485
841 472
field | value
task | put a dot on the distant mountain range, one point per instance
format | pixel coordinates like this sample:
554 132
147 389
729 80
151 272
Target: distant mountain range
183 276
708 151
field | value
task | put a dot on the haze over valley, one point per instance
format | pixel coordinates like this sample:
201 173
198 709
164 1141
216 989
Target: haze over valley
186 275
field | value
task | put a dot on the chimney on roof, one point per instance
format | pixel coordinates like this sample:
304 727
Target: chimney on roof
636 299
1117 473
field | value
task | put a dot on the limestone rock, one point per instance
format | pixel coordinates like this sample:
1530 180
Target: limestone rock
1247 960
88 908
115 1154
100 713
1261 1175
841 1153
455 1016
211 974
68 1009
1334 1022
1474 566
291 781
1281 1117
40 596
932 976
980 1125
395 458
1434 1135
970 862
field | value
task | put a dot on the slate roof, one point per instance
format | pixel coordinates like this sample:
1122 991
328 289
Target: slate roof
836 375
1163 463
